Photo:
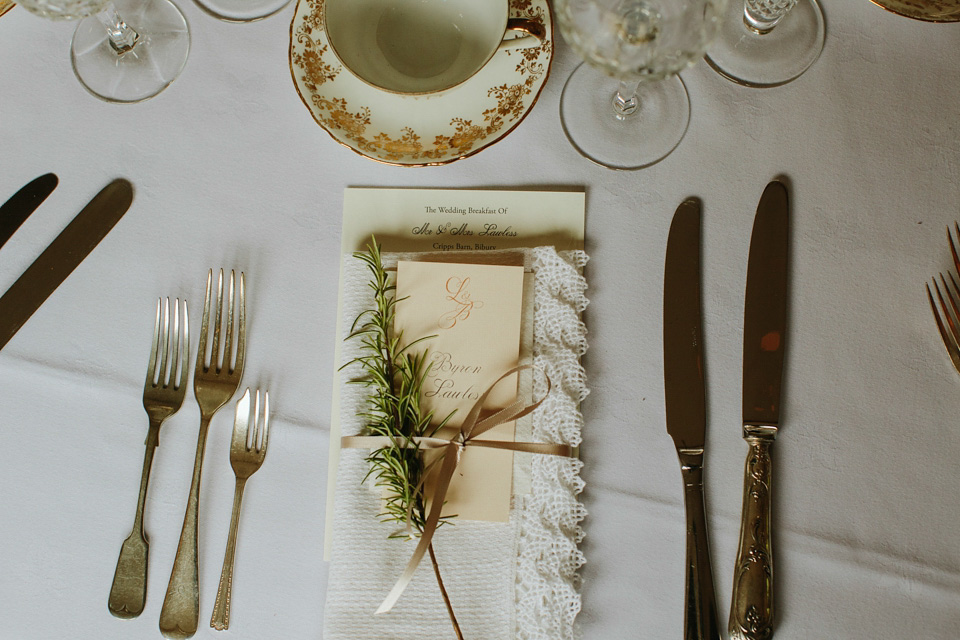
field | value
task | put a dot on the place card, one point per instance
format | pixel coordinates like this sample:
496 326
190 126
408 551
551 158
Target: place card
472 315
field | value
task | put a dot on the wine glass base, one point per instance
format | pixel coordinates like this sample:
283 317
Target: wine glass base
639 140
242 10
155 61
773 58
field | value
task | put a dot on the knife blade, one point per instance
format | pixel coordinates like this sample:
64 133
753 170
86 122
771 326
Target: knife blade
62 256
685 404
764 333
24 202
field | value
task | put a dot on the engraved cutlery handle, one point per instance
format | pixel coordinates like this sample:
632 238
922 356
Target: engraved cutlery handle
751 605
700 617
128 593
220 619
180 613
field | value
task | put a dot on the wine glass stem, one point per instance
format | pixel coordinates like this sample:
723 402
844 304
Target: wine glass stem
761 16
625 100
122 37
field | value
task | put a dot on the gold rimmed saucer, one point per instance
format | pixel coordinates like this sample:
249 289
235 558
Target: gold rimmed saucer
422 130
926 10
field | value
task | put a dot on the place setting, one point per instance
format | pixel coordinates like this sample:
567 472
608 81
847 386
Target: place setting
458 465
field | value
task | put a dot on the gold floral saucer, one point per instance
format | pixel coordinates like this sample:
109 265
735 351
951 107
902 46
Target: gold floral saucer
417 131
926 10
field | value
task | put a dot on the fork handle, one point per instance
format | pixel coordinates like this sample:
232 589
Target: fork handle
751 604
128 593
220 620
180 613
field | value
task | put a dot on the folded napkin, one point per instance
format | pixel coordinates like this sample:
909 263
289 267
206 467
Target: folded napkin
506 581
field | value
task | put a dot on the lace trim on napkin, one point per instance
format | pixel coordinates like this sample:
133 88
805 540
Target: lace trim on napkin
548 554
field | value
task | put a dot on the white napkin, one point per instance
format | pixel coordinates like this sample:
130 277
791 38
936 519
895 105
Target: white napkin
506 581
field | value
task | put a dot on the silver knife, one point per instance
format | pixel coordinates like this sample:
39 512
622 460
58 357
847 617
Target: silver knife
764 334
62 256
21 204
686 409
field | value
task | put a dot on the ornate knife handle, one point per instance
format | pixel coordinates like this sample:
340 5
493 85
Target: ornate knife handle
700 604
751 606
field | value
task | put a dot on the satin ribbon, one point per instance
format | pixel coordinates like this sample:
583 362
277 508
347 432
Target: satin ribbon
471 427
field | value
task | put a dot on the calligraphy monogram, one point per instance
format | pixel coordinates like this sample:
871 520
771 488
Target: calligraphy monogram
464 305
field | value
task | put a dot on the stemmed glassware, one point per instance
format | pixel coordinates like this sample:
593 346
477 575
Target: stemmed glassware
122 59
766 43
241 10
643 44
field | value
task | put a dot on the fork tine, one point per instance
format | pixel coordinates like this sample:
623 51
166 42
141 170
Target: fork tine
253 435
241 419
228 345
164 346
183 353
946 311
265 433
953 247
241 327
948 338
154 348
215 360
204 326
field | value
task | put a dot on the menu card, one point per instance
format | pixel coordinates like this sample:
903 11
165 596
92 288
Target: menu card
450 222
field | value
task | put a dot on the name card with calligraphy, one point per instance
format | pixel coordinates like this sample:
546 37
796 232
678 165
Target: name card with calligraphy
473 312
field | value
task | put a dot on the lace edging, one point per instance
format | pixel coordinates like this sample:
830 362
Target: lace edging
548 555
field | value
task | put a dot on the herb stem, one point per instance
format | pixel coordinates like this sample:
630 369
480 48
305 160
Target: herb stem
443 591
395 377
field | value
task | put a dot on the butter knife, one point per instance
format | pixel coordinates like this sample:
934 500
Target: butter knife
685 403
764 335
18 208
62 256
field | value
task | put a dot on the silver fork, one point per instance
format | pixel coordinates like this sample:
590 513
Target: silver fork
163 394
946 323
213 384
247 451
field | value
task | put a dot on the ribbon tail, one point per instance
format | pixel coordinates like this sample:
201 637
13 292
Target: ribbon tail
446 474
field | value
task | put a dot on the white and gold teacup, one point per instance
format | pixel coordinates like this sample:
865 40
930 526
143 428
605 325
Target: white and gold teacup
421 47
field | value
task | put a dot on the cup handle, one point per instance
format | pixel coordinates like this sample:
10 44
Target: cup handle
532 32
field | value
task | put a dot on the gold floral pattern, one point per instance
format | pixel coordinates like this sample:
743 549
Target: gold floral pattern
314 68
928 10
310 60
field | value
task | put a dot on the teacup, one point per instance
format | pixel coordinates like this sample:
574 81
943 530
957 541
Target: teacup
422 46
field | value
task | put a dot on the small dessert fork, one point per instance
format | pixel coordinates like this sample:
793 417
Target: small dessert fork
247 451
949 331
213 385
163 394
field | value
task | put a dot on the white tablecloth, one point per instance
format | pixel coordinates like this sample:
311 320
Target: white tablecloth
230 170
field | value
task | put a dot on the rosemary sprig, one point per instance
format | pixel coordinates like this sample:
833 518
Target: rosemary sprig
395 376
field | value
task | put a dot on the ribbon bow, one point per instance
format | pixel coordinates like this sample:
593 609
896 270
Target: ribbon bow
471 427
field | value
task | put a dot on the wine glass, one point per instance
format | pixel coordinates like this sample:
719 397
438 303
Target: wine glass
644 44
766 43
241 10
120 61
